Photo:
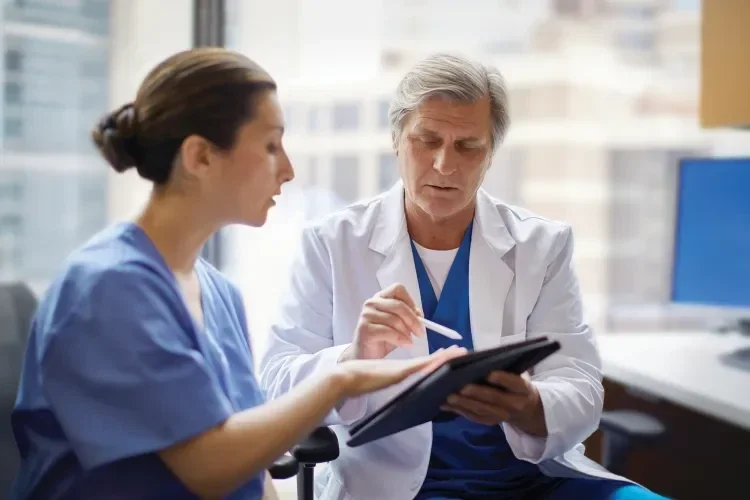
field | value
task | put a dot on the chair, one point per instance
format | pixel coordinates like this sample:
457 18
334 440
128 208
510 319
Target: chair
622 430
17 306
320 447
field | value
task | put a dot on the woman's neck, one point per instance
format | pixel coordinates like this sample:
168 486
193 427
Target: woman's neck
177 228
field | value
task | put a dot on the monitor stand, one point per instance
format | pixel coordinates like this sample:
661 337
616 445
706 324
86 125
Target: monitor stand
739 358
741 326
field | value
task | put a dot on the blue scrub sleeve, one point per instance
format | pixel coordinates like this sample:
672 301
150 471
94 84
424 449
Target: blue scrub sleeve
122 374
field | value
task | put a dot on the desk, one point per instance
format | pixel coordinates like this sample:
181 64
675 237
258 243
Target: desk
680 379
683 368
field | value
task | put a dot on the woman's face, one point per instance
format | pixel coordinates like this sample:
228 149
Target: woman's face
244 180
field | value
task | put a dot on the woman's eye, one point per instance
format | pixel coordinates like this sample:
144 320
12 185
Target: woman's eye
272 148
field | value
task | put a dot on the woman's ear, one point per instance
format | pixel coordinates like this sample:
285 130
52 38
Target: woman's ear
195 153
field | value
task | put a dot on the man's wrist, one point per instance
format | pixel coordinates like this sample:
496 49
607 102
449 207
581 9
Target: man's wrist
533 421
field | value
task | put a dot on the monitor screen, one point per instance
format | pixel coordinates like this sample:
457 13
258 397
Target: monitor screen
712 240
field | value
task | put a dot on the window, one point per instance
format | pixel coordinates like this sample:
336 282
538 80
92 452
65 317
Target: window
10 190
383 121
346 117
346 177
312 172
636 40
55 90
689 5
313 120
13 128
13 60
13 93
568 7
582 149
387 170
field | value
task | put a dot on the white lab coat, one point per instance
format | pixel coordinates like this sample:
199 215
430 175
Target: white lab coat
522 285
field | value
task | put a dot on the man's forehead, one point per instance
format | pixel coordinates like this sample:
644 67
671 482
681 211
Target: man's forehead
475 132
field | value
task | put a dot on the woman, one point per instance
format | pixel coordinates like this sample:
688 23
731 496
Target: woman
138 379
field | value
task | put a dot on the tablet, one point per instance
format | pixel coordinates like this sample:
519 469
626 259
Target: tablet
421 402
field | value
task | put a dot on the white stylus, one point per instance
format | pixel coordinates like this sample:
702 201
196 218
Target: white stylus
442 330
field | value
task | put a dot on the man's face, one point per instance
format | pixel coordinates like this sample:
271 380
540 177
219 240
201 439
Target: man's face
444 151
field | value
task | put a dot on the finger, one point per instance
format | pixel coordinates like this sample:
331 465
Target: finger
441 356
398 291
425 364
478 407
401 309
383 333
393 321
509 381
508 401
480 419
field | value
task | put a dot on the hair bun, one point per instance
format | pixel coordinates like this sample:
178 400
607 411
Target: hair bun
115 136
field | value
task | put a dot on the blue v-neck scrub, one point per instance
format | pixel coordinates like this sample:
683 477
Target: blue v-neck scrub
468 460
471 461
117 370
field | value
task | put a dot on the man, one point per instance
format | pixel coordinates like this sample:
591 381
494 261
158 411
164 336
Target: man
438 245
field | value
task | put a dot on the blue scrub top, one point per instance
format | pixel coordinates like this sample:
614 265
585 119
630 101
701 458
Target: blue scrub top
116 370
468 460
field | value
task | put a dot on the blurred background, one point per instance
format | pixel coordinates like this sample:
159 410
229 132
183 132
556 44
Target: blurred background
605 102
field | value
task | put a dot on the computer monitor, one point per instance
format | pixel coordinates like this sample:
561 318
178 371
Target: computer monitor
712 241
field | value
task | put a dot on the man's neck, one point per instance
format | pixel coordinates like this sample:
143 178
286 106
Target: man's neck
437 233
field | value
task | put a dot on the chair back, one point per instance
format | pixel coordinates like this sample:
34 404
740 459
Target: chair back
17 307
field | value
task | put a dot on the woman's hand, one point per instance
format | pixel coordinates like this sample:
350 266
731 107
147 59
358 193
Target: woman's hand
369 375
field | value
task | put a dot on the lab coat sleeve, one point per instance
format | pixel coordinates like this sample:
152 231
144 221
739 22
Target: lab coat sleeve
301 343
570 381
121 373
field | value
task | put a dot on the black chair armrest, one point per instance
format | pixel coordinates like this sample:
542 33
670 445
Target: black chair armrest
284 468
634 425
321 446
624 429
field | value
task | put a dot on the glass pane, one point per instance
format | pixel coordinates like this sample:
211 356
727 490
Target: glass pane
597 152
53 186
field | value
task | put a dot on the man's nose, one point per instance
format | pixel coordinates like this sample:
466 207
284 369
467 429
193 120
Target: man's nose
444 161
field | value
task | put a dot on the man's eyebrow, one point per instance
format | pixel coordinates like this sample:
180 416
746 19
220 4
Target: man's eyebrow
418 129
424 131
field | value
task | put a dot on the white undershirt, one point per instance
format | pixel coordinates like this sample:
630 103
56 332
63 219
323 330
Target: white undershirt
438 264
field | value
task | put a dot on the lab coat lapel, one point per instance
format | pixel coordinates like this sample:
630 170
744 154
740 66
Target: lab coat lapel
491 279
390 238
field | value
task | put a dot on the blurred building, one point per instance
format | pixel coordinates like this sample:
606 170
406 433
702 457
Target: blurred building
603 102
52 184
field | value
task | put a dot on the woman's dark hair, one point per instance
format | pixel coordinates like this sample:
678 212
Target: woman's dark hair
210 92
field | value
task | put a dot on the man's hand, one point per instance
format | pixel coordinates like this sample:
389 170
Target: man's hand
387 321
519 404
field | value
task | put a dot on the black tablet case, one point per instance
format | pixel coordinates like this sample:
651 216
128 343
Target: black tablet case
421 401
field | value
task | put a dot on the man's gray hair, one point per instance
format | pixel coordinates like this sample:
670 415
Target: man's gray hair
455 78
